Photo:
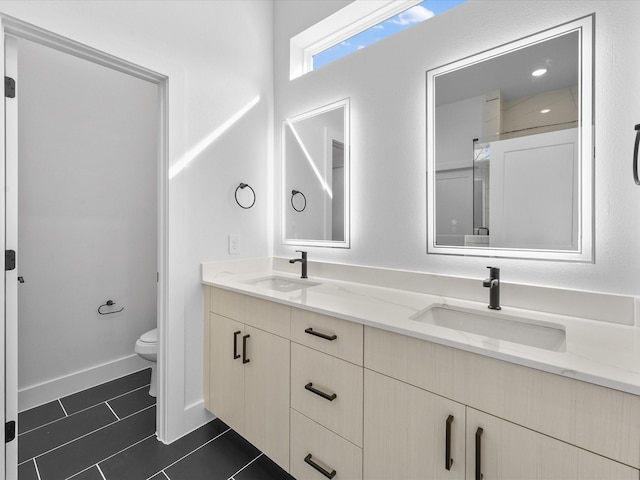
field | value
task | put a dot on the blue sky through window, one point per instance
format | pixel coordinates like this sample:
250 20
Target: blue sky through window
391 26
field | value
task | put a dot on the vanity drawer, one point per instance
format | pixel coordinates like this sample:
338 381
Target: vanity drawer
592 417
337 337
263 314
323 448
315 379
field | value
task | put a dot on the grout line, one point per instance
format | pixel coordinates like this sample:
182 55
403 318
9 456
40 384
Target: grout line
192 451
85 409
66 415
81 471
97 465
89 388
109 407
93 431
111 398
246 466
54 421
73 440
130 391
100 470
62 406
139 411
126 448
37 470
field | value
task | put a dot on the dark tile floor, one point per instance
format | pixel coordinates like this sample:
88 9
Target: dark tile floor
108 433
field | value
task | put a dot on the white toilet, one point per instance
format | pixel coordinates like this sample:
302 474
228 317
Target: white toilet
147 348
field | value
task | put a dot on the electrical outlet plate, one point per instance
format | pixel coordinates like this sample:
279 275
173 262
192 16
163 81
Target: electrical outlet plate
234 243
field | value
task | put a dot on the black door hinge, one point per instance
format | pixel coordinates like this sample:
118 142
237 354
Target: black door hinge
9 260
9 431
9 87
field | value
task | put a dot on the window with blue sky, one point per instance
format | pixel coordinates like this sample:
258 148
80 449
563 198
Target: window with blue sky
417 14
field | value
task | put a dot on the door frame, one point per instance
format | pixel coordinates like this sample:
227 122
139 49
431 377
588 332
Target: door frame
12 27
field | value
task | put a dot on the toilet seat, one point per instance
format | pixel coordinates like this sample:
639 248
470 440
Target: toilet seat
149 337
147 345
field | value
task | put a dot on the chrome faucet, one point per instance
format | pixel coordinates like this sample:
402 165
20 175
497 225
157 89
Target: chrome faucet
302 260
493 283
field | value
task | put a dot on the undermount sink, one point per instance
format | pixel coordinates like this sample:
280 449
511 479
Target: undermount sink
534 333
281 284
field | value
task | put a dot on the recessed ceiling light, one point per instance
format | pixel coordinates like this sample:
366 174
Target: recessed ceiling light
546 110
539 72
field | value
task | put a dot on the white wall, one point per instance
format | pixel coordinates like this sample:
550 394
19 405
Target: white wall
217 56
87 213
386 84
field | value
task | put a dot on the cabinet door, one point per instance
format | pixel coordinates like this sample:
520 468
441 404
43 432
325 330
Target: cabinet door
267 394
226 381
405 432
508 451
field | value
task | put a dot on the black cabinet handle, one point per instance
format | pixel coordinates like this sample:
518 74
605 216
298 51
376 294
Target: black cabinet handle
635 155
330 474
478 453
448 461
331 338
331 398
235 344
244 349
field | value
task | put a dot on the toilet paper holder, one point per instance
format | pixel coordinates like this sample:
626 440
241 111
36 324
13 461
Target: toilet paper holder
109 303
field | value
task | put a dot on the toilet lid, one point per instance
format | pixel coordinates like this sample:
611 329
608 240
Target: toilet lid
150 337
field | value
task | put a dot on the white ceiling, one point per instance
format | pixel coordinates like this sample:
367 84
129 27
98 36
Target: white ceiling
511 72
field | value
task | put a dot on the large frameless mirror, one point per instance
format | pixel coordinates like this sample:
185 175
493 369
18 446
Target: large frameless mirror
510 149
315 158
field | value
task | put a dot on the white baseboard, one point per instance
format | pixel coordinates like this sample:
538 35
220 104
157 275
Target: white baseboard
35 395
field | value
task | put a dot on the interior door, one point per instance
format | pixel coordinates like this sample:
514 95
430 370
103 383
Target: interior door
11 243
533 196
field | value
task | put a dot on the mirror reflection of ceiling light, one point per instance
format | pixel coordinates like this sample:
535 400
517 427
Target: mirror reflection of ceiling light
539 72
545 110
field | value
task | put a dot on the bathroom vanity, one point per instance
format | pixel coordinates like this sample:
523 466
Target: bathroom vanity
335 379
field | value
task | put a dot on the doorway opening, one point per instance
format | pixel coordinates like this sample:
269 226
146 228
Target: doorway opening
85 210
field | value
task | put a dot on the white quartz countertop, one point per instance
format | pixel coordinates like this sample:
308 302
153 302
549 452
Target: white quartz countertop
602 353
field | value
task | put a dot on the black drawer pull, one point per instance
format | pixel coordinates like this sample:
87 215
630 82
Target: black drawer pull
244 349
235 344
635 155
478 453
331 398
448 461
331 338
330 474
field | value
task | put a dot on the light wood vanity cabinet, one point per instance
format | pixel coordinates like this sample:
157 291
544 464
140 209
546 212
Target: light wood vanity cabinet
316 397
532 423
326 397
248 370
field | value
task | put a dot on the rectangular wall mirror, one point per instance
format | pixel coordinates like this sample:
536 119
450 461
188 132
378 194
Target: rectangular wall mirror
510 149
315 159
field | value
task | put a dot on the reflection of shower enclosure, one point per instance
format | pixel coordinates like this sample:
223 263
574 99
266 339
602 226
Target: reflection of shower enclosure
337 205
481 181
